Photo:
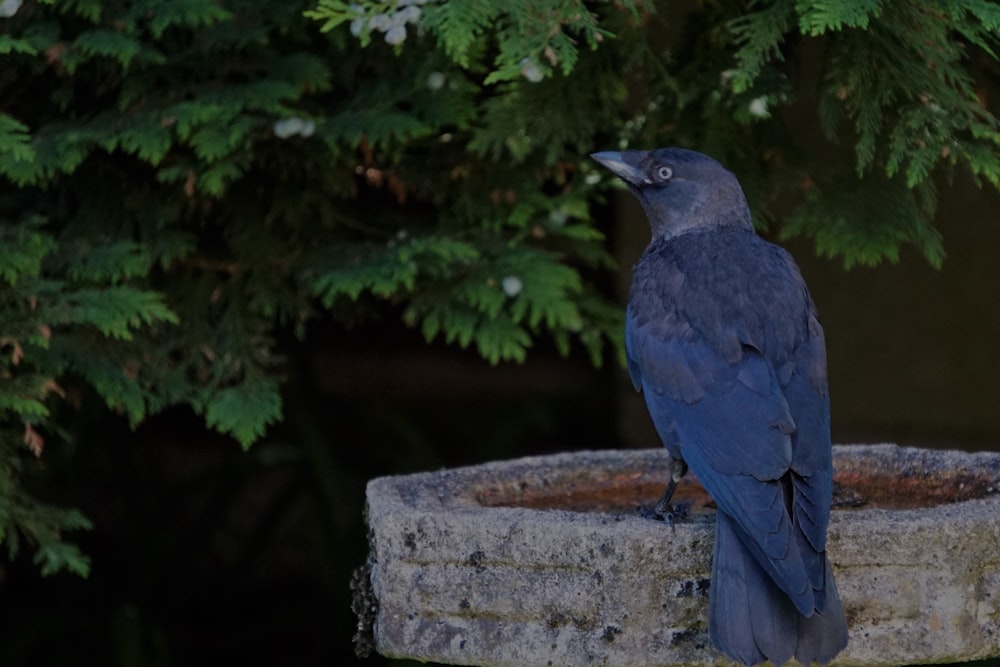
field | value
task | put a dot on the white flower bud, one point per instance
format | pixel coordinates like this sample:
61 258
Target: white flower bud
758 108
409 14
436 80
531 71
289 127
286 127
511 285
380 22
396 35
9 7
397 19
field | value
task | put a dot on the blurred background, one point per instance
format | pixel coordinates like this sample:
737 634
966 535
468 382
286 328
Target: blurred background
225 533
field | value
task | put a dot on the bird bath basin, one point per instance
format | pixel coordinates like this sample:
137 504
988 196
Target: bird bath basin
543 561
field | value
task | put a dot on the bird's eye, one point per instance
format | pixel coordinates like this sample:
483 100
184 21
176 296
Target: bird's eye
664 173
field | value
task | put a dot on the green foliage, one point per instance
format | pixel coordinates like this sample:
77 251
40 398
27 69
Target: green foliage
897 79
42 308
185 14
182 180
23 518
182 183
108 43
245 409
528 36
461 26
14 141
840 221
11 45
817 18
758 36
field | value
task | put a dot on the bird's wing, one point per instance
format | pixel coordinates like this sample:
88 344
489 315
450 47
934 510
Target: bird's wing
735 412
812 459
735 430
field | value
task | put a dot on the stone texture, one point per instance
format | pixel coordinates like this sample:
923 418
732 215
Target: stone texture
477 566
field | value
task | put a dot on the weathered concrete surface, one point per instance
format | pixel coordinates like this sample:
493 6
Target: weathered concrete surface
459 578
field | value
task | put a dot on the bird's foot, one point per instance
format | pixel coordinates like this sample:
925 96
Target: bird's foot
669 514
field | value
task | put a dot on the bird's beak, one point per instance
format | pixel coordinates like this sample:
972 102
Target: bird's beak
623 164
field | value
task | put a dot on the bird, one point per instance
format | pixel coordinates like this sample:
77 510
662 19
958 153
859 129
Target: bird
723 340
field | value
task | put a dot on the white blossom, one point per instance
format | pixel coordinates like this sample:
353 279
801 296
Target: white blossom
511 285
758 107
436 80
9 7
289 127
380 22
531 71
409 14
395 35
392 21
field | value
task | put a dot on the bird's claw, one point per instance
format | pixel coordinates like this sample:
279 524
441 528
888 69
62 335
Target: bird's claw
669 514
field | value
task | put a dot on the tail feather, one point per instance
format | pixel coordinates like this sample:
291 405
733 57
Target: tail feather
824 634
751 620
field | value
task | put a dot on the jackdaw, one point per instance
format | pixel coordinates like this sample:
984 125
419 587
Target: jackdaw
723 340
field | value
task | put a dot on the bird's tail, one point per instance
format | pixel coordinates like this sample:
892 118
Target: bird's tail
824 634
751 620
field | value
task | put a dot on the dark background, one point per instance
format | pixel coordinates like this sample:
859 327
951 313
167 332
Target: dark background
203 553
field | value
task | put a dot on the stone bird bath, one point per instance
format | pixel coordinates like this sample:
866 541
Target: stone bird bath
544 561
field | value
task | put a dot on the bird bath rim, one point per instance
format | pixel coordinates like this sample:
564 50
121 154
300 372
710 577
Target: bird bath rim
890 478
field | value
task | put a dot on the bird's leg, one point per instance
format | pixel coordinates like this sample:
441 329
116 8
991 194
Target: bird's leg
663 510
663 505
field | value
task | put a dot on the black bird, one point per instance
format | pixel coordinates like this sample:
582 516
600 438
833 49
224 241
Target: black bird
723 340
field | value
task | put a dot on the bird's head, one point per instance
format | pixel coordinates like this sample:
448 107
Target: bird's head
680 190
